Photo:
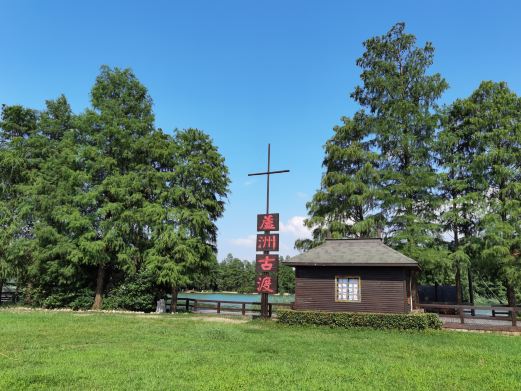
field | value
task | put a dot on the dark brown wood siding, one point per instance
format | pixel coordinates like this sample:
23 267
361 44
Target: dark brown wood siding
383 289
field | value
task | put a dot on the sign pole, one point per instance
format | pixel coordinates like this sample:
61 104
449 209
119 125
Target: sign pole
268 183
264 296
266 251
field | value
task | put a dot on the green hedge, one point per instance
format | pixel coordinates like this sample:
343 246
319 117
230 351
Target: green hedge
414 321
78 300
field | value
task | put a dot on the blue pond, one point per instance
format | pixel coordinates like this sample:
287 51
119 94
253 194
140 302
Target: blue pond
251 298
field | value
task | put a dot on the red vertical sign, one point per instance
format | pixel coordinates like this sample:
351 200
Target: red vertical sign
267 283
266 264
268 222
268 242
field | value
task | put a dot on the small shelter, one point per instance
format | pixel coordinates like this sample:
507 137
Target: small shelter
354 275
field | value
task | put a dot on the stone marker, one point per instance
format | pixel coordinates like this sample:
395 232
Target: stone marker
161 307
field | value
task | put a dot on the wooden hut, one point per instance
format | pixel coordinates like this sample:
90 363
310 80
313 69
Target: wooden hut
354 275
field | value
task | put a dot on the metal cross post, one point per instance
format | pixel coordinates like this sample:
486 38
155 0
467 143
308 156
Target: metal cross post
264 296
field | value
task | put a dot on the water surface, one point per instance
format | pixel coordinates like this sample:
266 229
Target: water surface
248 297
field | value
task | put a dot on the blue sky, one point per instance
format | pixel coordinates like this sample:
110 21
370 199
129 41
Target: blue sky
249 73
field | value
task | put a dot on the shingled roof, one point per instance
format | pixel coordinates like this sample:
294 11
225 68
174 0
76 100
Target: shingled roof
351 252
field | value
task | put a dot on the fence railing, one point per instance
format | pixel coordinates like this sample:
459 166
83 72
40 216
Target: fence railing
194 305
468 311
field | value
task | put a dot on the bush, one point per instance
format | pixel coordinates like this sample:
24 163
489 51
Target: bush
136 293
414 321
80 300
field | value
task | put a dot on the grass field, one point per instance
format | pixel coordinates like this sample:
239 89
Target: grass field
67 350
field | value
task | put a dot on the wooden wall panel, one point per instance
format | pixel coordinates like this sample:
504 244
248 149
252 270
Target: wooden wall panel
383 289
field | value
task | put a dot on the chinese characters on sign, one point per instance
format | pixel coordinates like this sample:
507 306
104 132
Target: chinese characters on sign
267 283
268 242
268 222
266 263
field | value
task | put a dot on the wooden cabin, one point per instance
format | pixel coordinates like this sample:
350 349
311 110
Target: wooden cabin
354 275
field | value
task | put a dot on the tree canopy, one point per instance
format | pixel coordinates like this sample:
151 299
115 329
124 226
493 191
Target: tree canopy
89 200
441 182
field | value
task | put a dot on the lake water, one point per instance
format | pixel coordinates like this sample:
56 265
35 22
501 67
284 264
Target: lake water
248 297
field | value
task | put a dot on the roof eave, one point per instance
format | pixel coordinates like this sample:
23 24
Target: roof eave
414 265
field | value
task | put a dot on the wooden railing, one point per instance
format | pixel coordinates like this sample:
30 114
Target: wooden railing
463 311
194 305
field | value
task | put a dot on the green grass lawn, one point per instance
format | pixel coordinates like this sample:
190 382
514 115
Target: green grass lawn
67 350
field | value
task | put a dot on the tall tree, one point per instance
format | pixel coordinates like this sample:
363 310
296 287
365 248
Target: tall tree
57 191
195 185
105 194
117 131
497 111
20 158
347 204
462 184
399 102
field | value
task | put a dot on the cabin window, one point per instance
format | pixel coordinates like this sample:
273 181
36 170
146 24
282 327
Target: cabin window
347 288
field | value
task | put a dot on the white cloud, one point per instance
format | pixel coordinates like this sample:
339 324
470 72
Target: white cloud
292 229
248 241
296 228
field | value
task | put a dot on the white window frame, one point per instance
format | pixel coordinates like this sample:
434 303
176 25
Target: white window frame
343 293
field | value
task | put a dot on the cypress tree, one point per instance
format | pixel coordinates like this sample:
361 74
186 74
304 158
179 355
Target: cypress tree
20 158
399 102
105 194
117 130
347 203
195 183
58 193
462 185
497 112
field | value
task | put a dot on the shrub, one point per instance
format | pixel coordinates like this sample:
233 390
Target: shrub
414 321
136 293
79 300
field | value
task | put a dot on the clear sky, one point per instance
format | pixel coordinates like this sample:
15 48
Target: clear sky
249 73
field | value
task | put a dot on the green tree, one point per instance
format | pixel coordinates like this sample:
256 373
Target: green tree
497 112
399 103
230 272
347 204
29 140
236 275
58 190
462 184
195 183
105 195
206 280
286 277
20 159
117 131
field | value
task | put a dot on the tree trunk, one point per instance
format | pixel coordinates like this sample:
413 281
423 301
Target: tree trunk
1 287
471 289
511 295
458 269
99 288
458 284
28 297
173 301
